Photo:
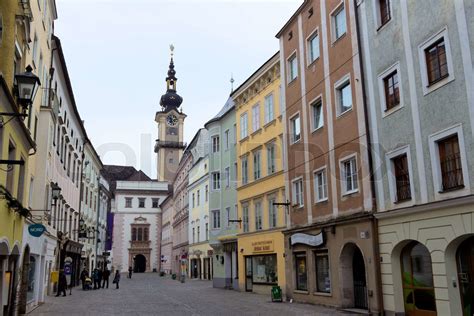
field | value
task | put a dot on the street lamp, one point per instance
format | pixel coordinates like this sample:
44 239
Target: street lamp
56 192
27 84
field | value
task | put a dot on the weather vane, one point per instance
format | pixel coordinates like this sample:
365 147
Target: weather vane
172 50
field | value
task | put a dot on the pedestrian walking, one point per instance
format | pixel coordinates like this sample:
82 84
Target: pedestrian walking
130 270
95 277
117 279
99 278
105 277
62 284
84 275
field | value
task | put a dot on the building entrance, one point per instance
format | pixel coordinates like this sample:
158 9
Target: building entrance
139 264
465 263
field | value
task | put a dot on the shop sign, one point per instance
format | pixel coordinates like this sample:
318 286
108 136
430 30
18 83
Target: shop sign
262 246
305 239
36 230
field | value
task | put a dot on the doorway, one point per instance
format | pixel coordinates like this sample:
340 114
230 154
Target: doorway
465 264
360 283
139 264
417 279
195 268
248 274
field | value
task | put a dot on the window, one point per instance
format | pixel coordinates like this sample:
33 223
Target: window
11 156
226 140
450 163
269 108
255 117
292 68
194 239
298 192
317 109
198 233
339 22
256 165
245 168
155 203
265 269
301 272
272 213
227 213
243 126
436 61
198 197
295 129
349 175
344 97
384 8
216 180
321 185
207 231
215 144
271 163
193 201
258 216
21 182
207 193
141 202
402 178
323 281
227 177
216 219
35 48
128 201
313 48
245 218
392 91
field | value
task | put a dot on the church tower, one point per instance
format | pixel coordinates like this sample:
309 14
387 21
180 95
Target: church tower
169 145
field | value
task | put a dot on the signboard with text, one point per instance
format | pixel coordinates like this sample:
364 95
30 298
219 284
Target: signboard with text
305 239
262 246
36 230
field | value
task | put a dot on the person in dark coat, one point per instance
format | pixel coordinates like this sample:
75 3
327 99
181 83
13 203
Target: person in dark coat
62 284
130 270
105 277
117 278
95 277
84 275
99 283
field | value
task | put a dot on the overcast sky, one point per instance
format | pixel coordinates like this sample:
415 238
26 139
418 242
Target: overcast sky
117 52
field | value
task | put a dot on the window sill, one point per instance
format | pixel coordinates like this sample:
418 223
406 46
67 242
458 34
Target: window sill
311 63
325 201
322 294
344 113
296 142
301 292
348 193
338 39
317 129
437 84
402 201
459 187
244 139
297 207
258 131
292 81
272 122
392 110
383 26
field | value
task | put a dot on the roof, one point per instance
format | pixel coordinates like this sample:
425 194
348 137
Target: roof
275 58
228 106
114 173
291 19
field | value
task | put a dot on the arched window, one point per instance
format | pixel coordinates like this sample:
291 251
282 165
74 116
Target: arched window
145 234
134 234
140 234
418 288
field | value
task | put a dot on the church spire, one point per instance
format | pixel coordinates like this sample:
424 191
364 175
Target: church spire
171 100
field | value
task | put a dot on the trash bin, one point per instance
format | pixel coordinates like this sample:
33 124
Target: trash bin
276 294
173 276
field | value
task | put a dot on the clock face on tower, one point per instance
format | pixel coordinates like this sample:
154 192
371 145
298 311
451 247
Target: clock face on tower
171 120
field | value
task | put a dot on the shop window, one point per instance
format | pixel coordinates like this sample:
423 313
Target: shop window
323 280
417 278
31 279
264 269
301 272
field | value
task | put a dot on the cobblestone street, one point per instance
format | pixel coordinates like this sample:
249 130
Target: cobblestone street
148 294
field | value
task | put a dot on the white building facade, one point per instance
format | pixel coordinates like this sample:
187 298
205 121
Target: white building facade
137 225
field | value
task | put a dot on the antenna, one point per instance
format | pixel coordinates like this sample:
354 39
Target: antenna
232 83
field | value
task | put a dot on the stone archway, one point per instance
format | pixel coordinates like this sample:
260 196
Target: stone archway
139 264
353 277
25 269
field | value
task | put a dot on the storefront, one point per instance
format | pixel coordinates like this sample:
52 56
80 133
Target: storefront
333 264
263 262
72 250
427 259
199 261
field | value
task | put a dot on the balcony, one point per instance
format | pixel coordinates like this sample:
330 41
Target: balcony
140 244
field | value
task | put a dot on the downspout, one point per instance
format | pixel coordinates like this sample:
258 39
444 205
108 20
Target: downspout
97 222
81 188
374 223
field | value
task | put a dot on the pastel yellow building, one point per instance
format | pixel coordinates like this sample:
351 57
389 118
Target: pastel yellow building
16 144
260 180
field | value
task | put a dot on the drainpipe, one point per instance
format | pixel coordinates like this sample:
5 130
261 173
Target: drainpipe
374 222
97 222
